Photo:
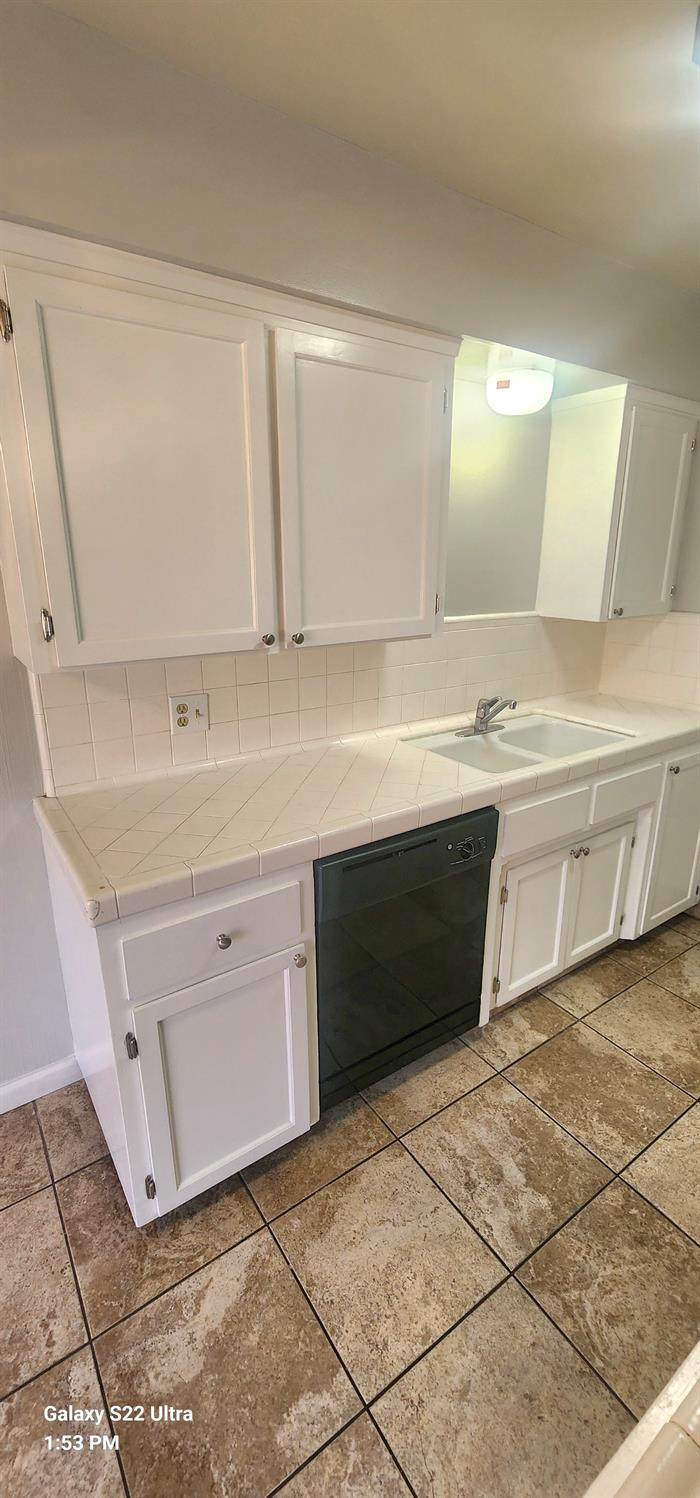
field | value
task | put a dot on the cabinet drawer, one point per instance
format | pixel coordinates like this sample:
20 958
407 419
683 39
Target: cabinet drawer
169 957
625 792
542 821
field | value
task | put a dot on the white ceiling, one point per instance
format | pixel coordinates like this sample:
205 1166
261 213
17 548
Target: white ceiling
579 115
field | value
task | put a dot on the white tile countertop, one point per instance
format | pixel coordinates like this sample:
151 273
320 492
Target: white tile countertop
137 843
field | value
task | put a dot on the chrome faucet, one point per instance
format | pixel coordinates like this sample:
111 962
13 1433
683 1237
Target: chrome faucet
487 708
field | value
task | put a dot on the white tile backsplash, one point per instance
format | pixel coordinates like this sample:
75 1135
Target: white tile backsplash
656 659
113 720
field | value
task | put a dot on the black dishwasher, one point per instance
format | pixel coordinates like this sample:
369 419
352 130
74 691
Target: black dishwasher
400 947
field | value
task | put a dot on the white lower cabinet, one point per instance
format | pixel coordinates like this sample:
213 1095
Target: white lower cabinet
561 908
675 867
534 923
225 1073
597 892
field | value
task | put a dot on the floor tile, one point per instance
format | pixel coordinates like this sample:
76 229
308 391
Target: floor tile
689 926
588 986
23 1166
682 975
387 1263
345 1135
517 1030
668 1173
656 1027
555 1423
648 952
610 1102
27 1467
120 1266
408 1096
355 1465
624 1285
516 1175
73 1135
40 1316
237 1344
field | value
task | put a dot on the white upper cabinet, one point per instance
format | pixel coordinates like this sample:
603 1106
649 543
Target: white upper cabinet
146 422
617 479
137 517
364 433
654 490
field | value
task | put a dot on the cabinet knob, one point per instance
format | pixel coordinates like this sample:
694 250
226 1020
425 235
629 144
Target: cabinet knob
576 852
585 852
617 612
298 639
268 639
223 941
300 959
674 769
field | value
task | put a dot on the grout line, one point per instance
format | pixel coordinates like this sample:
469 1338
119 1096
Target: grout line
25 1383
597 1374
391 1452
317 1317
280 1487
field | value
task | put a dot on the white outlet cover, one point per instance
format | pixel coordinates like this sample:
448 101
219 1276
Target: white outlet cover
189 712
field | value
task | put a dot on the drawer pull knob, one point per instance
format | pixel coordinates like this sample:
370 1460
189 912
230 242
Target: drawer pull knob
576 852
674 769
585 852
268 639
223 941
298 639
300 959
618 612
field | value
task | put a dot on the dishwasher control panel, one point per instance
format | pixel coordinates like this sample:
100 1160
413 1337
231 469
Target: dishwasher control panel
469 847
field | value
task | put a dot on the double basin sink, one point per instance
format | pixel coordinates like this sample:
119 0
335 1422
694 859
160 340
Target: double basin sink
522 741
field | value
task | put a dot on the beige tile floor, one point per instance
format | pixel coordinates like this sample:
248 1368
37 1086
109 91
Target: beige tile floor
472 1280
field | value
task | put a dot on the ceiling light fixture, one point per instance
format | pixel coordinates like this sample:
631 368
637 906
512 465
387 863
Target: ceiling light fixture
518 383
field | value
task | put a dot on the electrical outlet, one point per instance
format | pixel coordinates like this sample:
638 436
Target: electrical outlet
189 711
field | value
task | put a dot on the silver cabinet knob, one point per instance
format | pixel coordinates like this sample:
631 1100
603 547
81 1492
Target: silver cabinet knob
585 852
300 959
618 612
576 852
268 639
674 769
223 941
298 639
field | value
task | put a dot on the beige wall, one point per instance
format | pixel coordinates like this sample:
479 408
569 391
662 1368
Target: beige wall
109 144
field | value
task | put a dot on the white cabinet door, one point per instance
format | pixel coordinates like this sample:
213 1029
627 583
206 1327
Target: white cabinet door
364 439
534 924
148 434
225 1074
655 485
675 870
597 891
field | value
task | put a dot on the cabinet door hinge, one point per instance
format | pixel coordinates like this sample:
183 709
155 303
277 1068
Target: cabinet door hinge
496 985
622 917
47 629
444 397
437 603
131 1045
6 329
633 843
150 1188
504 894
693 444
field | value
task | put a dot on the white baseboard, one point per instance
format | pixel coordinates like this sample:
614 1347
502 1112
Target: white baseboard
34 1084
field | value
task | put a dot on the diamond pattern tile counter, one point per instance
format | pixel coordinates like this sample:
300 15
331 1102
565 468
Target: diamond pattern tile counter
138 843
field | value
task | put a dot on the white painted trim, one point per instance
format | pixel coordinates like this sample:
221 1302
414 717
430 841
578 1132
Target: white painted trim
87 256
34 1084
